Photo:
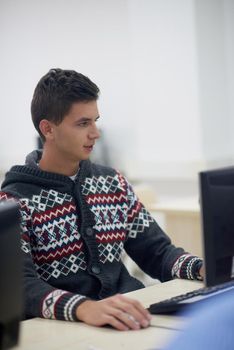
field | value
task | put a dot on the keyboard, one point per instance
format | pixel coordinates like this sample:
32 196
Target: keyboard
180 302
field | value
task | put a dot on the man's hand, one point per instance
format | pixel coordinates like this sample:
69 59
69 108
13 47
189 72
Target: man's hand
118 311
202 271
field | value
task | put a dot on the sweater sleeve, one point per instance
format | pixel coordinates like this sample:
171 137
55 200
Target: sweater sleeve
151 248
40 298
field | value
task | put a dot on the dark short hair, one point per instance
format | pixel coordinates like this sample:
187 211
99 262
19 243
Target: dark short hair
56 92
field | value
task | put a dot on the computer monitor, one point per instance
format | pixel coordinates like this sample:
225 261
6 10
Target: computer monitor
10 275
217 214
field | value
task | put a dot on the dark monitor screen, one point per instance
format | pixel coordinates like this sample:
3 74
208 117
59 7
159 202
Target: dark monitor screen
217 204
10 275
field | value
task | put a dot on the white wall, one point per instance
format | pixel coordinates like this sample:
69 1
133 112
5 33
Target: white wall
165 87
165 69
215 43
88 36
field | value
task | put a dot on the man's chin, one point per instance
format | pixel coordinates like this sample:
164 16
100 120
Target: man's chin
85 157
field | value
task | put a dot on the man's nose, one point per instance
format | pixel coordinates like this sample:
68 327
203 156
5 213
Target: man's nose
95 132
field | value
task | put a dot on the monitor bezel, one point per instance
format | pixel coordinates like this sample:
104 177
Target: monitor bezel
208 243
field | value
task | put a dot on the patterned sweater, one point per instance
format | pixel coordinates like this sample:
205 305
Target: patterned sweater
75 232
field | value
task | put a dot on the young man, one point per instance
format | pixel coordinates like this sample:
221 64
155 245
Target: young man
79 217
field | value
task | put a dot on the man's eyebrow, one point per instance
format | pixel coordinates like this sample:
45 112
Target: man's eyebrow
85 119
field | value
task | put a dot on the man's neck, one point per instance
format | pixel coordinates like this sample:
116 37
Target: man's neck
52 163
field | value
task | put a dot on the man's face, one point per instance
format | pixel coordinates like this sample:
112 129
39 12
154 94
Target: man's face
75 136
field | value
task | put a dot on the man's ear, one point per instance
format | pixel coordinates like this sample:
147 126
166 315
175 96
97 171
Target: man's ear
46 129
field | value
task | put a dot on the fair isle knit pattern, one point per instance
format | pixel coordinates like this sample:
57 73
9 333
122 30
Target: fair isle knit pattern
50 301
48 305
184 266
59 249
74 234
52 221
109 208
113 216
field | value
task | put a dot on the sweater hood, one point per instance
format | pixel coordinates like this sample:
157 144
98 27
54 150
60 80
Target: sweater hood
31 174
33 158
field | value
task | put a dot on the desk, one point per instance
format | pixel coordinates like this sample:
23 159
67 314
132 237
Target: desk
182 222
38 334
180 219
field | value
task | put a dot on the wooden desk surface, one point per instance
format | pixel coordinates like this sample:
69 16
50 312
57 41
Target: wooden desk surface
182 222
186 206
41 334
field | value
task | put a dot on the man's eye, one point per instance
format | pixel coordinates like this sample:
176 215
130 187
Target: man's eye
83 124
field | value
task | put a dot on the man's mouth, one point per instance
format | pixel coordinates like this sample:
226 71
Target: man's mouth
89 148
